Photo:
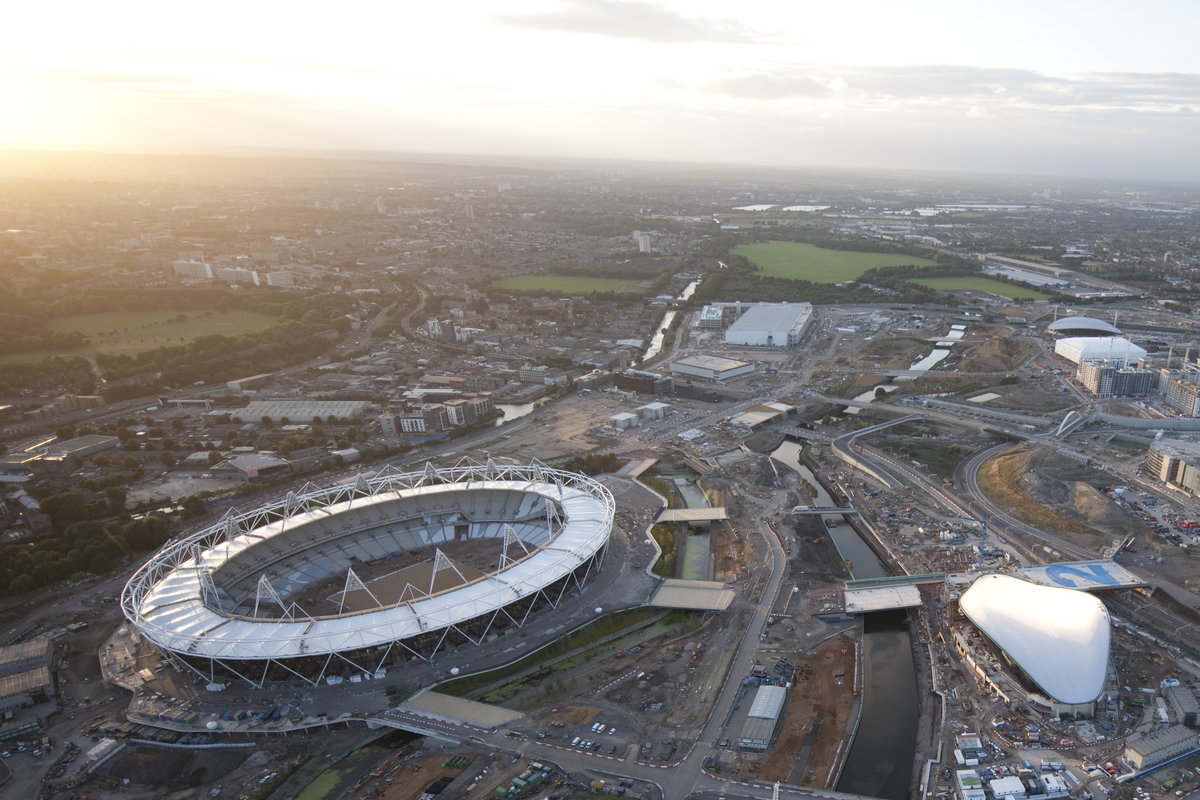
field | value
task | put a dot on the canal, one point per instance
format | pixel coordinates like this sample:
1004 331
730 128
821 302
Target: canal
880 760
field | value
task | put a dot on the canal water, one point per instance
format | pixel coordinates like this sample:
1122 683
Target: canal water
880 760
512 411
656 342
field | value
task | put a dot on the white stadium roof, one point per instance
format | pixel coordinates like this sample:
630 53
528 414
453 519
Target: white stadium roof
1082 324
1059 637
166 598
1115 348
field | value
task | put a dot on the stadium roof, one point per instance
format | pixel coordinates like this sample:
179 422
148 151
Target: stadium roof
1086 325
172 612
1059 637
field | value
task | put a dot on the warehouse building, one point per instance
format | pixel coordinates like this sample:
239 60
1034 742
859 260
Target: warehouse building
1105 348
763 718
302 410
1183 705
970 787
25 674
712 368
1147 750
770 325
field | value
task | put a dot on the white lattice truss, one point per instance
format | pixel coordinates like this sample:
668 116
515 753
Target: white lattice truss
182 602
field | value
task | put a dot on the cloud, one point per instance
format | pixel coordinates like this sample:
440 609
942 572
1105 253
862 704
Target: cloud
767 86
629 19
111 78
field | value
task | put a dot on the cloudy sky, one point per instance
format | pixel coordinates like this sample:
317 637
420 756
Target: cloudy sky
1098 88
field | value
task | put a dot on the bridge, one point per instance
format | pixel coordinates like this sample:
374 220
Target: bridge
824 510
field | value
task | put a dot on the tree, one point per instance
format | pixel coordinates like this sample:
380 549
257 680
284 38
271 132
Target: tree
167 458
65 509
214 458
114 496
177 424
193 506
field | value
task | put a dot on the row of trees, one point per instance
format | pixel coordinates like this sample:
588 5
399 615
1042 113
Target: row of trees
84 540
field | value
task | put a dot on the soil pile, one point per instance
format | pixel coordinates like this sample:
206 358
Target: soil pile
1057 494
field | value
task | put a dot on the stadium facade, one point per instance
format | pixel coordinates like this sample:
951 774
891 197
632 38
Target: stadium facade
226 602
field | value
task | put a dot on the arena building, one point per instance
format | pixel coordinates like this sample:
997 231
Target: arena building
1112 349
348 580
1058 638
1082 326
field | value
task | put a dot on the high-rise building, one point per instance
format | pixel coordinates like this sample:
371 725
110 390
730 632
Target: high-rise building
1105 378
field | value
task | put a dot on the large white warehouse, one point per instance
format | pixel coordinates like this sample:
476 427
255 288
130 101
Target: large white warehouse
1111 348
770 325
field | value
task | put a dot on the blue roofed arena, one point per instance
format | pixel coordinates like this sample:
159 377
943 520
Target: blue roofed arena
353 579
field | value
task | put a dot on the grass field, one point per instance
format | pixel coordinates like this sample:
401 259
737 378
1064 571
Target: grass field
129 332
807 262
982 285
564 283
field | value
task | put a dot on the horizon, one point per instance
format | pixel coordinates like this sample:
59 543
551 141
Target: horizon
1073 91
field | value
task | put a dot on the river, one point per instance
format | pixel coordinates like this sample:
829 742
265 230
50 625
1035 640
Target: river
656 341
880 760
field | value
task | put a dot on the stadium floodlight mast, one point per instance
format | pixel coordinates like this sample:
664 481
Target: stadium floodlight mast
221 601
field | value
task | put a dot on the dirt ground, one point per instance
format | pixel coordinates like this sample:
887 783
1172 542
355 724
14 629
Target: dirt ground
416 777
573 715
174 769
997 353
1056 493
814 724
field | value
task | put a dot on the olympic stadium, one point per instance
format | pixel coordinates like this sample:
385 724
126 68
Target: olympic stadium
347 580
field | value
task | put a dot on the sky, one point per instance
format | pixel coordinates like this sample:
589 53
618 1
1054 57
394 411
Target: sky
1096 88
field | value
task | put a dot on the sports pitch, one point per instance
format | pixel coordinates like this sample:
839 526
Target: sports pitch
807 262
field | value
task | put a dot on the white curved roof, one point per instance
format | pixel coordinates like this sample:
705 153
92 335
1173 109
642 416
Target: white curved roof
170 610
1059 636
1112 348
1081 324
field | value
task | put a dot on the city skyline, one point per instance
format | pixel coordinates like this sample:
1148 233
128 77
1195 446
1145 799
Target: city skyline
1090 90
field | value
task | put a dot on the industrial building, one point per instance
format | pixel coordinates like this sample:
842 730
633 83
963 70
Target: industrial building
636 380
302 410
1183 705
624 420
1058 638
653 410
711 318
25 674
770 325
970 787
1107 348
1148 749
1105 378
762 718
712 368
